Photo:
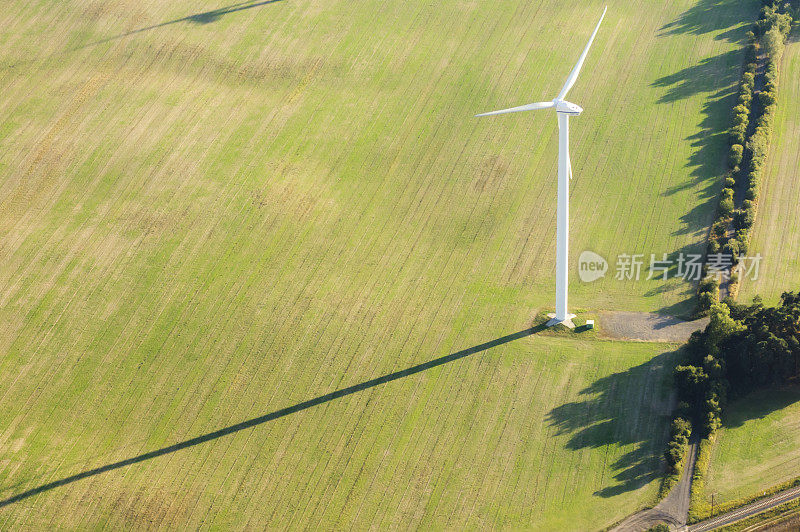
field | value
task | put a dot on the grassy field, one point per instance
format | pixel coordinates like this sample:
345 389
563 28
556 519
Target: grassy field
776 234
209 214
759 447
540 433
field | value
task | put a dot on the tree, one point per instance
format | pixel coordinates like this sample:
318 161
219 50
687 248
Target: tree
744 347
720 328
736 155
773 42
726 203
691 382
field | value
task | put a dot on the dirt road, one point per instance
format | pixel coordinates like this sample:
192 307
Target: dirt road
673 510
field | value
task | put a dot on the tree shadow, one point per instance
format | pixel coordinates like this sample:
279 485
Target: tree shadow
759 405
684 308
206 17
603 418
794 35
718 77
710 16
250 423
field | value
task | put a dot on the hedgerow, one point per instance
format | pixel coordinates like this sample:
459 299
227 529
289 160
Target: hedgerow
716 365
750 132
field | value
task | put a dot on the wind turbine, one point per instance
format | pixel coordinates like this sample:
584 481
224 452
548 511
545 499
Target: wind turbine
564 110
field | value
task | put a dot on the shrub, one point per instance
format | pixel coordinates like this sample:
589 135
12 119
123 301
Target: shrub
748 81
766 118
770 71
738 218
746 98
708 284
719 228
755 174
755 167
767 97
737 150
773 42
758 145
699 507
737 134
706 300
674 455
681 428
730 182
708 293
726 203
713 414
743 222
764 121
743 238
741 110
740 118
713 247
744 218
732 247
773 90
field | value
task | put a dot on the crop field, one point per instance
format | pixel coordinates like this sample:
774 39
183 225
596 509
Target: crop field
776 233
213 217
759 447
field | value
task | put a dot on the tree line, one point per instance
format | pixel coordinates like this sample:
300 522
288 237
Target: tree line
749 138
744 348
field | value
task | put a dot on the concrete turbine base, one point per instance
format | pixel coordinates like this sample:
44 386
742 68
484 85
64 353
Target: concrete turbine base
566 322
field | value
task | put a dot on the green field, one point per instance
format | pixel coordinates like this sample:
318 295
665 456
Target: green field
540 433
209 214
760 444
776 233
759 447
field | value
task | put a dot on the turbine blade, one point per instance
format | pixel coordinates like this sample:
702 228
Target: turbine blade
569 165
573 76
529 107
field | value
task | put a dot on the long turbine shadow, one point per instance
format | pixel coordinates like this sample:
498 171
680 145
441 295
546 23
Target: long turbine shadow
205 17
275 415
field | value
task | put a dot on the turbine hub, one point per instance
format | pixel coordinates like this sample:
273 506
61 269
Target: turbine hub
563 106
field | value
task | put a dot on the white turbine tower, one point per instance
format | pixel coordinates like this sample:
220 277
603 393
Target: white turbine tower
563 109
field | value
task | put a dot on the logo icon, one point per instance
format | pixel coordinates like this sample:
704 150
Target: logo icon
591 266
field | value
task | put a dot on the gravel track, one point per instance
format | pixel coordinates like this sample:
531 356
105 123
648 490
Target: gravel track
647 327
673 509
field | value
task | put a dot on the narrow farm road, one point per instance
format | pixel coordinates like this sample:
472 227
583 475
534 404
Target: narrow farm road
673 510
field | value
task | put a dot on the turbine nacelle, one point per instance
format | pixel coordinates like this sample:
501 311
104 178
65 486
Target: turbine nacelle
563 106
